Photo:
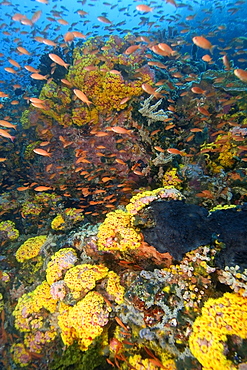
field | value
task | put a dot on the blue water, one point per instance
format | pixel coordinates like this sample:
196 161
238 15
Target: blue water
208 17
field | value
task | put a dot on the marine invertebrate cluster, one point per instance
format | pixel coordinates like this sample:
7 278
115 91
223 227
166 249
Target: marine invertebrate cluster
35 205
117 233
83 299
8 229
105 87
84 321
29 319
221 317
171 178
80 279
73 301
69 217
226 147
30 248
235 278
27 311
60 262
20 354
142 199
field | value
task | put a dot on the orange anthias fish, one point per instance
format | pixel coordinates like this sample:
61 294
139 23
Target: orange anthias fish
6 134
131 49
203 111
241 74
78 34
42 188
120 130
226 62
14 63
69 36
37 76
55 58
10 70
175 151
7 124
151 91
31 69
207 58
36 16
104 20
82 96
166 48
203 43
172 2
23 50
42 152
197 90
144 8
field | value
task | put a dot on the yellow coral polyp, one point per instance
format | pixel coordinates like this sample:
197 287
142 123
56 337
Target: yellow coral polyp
171 178
81 279
36 343
139 363
141 200
117 233
60 262
221 207
220 318
68 333
114 288
9 227
20 354
71 215
84 321
58 223
30 248
26 312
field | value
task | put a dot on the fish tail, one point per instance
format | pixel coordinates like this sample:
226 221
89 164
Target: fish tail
212 49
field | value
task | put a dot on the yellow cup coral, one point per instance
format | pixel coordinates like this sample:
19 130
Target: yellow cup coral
20 354
117 233
58 223
81 279
171 178
30 248
9 227
84 321
60 262
220 318
114 288
28 306
70 216
141 200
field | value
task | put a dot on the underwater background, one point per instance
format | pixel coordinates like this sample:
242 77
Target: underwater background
123 184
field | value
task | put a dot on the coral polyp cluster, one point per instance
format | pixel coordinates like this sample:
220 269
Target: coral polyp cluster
102 286
73 302
104 86
69 217
80 279
30 248
60 262
117 233
220 318
8 230
85 320
142 199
